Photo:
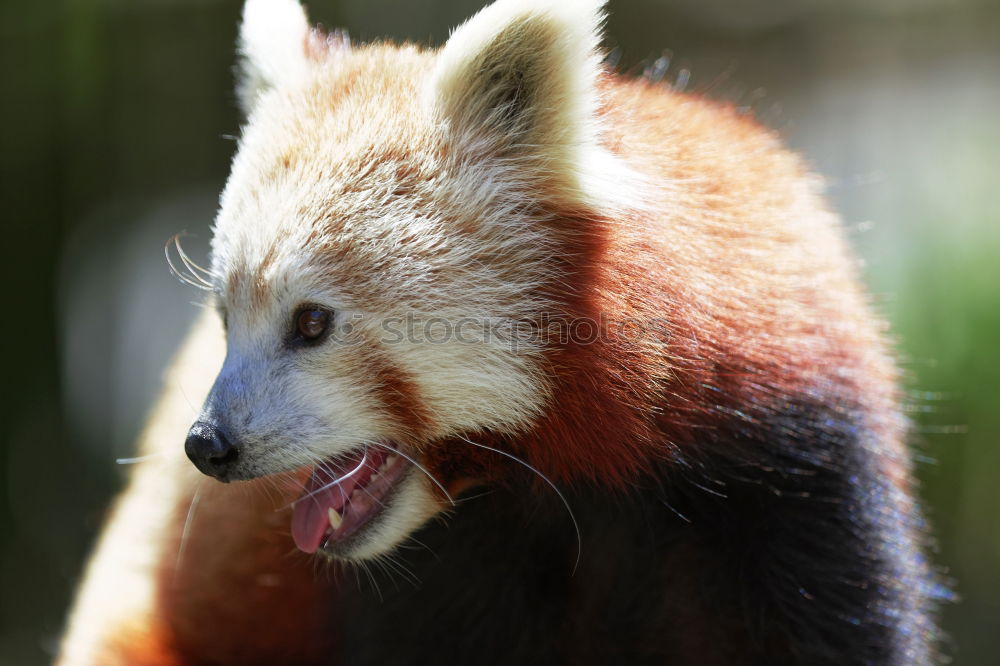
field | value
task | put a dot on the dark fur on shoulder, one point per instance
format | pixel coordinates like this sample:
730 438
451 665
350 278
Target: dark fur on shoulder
799 555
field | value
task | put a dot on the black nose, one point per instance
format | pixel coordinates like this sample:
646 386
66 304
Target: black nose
210 450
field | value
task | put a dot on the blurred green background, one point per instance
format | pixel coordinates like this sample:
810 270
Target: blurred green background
117 119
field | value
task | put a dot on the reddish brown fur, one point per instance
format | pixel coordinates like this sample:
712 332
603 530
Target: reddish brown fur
757 307
261 287
398 393
244 564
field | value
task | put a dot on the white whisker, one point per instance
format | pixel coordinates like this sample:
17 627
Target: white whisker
335 482
195 269
139 459
191 277
576 526
418 466
186 531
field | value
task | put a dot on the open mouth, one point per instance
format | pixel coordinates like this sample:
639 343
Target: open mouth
344 494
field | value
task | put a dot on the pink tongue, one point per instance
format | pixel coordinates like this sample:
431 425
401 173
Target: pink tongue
324 491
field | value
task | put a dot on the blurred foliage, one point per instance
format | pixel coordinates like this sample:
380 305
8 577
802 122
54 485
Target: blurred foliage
113 131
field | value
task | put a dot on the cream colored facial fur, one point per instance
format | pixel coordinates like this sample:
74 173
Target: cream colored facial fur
396 185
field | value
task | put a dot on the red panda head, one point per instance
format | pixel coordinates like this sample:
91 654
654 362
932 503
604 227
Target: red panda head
392 215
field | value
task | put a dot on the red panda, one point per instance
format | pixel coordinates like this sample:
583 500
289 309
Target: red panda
514 360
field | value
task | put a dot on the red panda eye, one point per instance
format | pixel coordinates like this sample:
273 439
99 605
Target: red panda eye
312 323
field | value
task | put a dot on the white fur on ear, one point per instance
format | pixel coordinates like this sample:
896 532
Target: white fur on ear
519 78
273 47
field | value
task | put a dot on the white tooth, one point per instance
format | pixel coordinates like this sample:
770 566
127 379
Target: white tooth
335 518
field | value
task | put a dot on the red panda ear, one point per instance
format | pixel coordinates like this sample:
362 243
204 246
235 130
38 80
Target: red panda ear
518 81
273 47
